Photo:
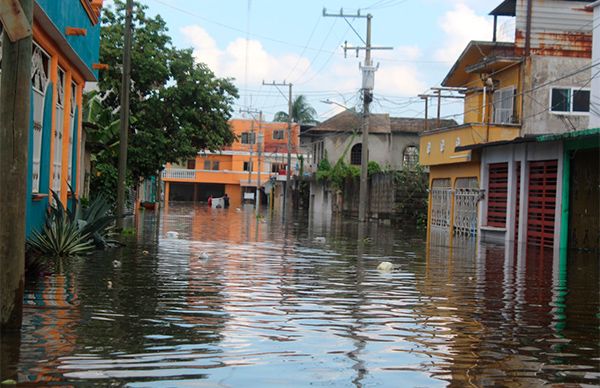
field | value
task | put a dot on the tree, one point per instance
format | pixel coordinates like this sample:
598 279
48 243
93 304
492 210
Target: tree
302 112
177 108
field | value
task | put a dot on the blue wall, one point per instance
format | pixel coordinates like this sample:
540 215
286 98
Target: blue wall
36 210
70 13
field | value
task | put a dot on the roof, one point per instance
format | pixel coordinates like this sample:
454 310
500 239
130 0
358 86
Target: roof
415 125
381 123
570 135
474 53
506 8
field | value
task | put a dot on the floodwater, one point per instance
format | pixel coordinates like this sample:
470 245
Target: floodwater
302 304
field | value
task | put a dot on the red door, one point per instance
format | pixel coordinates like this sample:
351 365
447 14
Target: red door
542 203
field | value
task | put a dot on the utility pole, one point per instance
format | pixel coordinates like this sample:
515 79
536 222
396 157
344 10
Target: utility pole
368 82
260 144
289 141
15 110
252 141
125 85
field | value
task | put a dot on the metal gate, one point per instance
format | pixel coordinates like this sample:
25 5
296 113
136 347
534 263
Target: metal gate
542 203
466 197
441 195
497 194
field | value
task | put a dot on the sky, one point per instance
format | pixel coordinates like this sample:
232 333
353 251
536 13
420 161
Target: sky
289 40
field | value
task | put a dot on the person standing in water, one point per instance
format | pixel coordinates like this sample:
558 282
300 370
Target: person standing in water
225 201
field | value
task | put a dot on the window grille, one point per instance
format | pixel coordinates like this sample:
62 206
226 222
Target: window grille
278 134
466 198
58 131
39 82
441 194
410 157
356 154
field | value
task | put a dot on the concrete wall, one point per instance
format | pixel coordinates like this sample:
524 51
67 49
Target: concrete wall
545 70
384 149
321 200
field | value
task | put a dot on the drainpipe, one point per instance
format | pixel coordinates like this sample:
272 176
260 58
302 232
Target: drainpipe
528 28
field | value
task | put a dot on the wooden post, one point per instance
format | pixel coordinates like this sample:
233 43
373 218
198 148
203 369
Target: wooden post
125 86
15 96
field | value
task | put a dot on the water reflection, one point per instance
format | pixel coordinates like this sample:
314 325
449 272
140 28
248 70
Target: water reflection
299 303
519 300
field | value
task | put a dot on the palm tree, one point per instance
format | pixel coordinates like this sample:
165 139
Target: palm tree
302 112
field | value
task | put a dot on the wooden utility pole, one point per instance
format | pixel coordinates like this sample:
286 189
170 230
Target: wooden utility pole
125 85
259 146
289 143
15 109
368 81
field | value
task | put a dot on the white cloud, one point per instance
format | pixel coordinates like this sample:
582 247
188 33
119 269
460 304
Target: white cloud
231 61
394 77
461 25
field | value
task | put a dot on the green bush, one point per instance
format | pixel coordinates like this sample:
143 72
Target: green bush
74 232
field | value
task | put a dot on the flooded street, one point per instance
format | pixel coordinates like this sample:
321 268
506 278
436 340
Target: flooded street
302 303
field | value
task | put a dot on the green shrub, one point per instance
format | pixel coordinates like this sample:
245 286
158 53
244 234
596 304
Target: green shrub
74 232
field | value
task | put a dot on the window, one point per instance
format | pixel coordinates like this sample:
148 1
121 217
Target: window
318 151
248 138
504 105
569 100
247 166
72 130
410 158
58 131
276 167
215 165
207 164
356 154
191 164
40 78
278 134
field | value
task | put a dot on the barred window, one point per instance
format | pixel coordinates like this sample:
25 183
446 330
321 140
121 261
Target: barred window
356 154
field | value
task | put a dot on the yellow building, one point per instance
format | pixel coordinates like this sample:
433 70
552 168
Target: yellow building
487 73
497 175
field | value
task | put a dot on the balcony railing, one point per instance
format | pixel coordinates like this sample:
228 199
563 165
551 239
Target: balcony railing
179 173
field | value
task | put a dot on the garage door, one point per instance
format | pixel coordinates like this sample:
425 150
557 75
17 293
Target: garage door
542 203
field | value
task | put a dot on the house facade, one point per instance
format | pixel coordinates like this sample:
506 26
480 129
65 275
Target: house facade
501 177
393 141
258 158
66 44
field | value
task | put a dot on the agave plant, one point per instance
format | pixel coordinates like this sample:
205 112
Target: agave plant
76 231
61 238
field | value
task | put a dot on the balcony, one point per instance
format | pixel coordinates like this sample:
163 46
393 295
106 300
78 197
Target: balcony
437 147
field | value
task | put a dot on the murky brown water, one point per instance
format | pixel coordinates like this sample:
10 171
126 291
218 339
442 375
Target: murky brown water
304 304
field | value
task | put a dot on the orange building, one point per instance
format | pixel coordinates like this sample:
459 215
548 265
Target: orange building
259 154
